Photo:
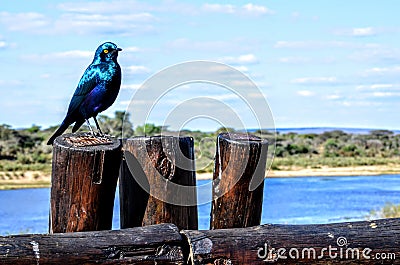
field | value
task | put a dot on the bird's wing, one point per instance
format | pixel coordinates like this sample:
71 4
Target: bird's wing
88 82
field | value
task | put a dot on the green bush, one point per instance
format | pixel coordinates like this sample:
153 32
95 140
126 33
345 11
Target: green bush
389 210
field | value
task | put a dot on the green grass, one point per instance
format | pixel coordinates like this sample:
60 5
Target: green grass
12 166
389 210
16 185
318 162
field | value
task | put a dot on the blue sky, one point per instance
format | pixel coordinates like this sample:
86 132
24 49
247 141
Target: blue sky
318 63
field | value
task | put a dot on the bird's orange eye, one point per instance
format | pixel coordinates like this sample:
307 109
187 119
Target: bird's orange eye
105 51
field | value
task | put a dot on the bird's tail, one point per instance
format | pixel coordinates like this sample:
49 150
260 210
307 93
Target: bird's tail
64 125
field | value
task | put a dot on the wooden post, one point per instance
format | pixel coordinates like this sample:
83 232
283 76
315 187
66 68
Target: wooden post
160 244
83 184
163 166
132 198
369 242
238 181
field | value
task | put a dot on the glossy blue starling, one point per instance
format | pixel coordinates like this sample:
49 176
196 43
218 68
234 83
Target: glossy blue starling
96 91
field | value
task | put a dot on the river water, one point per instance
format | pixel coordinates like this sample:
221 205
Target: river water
301 200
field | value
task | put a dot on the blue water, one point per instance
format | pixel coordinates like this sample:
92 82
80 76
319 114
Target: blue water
286 201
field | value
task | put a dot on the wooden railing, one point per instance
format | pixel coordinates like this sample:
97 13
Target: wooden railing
159 224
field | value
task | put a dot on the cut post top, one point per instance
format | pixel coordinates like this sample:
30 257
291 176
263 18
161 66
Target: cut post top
86 141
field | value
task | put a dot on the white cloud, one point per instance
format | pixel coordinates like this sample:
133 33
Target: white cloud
257 9
385 94
382 70
247 9
29 21
294 59
242 68
305 93
3 43
128 6
375 86
242 59
96 7
360 103
315 80
226 97
219 8
131 49
135 102
363 32
322 45
307 60
293 44
131 86
379 53
137 69
120 24
83 20
333 97
73 54
379 90
45 76
8 83
234 45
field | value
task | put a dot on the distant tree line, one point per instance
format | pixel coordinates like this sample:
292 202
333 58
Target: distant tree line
22 149
378 143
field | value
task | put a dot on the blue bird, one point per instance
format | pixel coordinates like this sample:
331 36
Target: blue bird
97 90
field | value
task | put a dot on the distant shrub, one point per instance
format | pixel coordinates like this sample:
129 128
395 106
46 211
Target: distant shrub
331 148
24 159
390 210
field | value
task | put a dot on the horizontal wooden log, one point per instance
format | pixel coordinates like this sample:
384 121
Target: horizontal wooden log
158 244
370 242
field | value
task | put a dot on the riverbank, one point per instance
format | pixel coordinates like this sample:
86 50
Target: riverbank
37 179
24 180
326 171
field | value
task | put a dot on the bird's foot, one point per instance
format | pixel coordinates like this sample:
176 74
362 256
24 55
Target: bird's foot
88 134
88 139
98 134
102 135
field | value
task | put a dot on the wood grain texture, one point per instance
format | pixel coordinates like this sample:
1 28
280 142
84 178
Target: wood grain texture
159 165
376 242
160 244
83 186
238 181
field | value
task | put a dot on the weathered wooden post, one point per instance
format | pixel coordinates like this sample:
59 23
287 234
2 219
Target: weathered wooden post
162 166
83 184
238 181
132 197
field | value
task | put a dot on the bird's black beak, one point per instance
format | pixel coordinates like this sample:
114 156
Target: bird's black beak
119 49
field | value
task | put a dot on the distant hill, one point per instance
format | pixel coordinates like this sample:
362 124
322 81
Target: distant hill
319 130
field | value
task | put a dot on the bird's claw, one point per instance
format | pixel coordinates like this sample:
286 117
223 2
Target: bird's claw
98 134
102 135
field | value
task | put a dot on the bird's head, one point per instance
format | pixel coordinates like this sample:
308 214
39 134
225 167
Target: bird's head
107 51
